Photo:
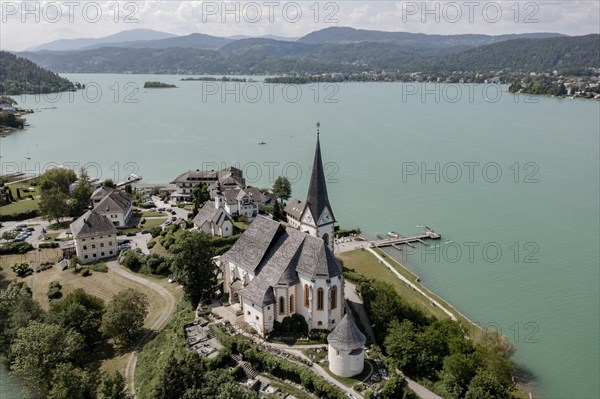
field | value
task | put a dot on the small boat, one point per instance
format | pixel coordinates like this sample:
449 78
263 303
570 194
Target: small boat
393 234
262 143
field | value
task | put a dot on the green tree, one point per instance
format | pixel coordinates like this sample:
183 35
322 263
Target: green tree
124 317
39 348
81 194
282 188
109 183
112 386
17 309
486 386
59 178
193 266
457 372
80 311
200 195
67 383
278 213
401 344
53 204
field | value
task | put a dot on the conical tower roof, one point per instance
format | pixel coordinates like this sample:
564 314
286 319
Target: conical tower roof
346 335
317 199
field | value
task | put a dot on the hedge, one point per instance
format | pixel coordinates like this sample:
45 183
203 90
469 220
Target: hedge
20 216
15 248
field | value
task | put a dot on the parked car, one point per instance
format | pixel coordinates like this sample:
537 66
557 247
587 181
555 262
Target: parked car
20 226
124 242
168 223
161 209
130 234
29 229
173 213
145 232
174 218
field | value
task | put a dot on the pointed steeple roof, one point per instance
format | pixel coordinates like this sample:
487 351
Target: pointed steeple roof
317 199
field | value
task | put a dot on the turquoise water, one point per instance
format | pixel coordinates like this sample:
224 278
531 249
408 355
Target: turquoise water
541 212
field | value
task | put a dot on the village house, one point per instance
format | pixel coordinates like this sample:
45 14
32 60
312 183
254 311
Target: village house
214 220
274 271
230 178
114 204
95 237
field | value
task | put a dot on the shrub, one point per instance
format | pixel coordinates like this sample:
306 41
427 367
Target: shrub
99 267
9 235
44 266
15 248
54 290
48 245
155 231
20 216
22 269
85 272
151 244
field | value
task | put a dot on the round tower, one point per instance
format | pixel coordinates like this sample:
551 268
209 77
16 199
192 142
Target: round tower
346 354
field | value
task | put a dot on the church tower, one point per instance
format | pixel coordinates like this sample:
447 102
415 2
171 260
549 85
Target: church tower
317 217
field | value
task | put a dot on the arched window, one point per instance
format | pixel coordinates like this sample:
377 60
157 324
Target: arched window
320 298
292 304
306 300
281 305
334 297
326 238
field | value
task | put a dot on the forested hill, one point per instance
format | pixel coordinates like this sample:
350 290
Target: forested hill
570 55
19 75
267 56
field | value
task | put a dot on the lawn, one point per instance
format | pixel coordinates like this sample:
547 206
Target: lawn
363 262
25 205
152 214
25 185
149 223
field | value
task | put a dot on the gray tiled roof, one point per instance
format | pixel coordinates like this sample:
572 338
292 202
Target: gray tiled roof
209 213
295 207
92 224
346 335
277 256
101 192
250 249
227 177
115 201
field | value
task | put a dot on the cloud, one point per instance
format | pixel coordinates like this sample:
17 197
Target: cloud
21 28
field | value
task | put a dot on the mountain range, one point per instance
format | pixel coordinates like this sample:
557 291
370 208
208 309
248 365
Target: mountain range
335 49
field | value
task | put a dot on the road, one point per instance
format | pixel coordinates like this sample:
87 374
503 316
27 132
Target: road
170 302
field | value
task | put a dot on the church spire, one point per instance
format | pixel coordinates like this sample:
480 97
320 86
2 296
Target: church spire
317 199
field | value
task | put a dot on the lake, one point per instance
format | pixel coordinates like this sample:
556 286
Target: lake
511 183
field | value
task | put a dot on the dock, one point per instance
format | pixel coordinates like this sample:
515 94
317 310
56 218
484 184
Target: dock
395 242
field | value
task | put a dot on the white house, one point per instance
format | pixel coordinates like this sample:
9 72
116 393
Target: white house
95 237
214 220
345 353
114 204
274 271
230 178
242 202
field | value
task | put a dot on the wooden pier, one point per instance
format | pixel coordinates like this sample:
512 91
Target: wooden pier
396 241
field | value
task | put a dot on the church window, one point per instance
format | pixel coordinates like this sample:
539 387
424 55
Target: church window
281 305
334 297
291 303
320 298
306 301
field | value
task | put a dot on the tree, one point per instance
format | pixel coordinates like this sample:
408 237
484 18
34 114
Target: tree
80 311
201 195
67 383
17 309
497 343
124 317
53 204
81 194
59 178
193 266
39 348
282 188
109 183
278 213
401 344
457 372
112 386
486 386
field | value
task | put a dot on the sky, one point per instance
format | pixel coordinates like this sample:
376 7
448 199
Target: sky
26 24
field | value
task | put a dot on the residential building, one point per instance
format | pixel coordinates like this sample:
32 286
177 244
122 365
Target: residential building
214 220
114 204
95 237
230 178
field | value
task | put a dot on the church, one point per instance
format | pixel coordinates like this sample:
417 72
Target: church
275 270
